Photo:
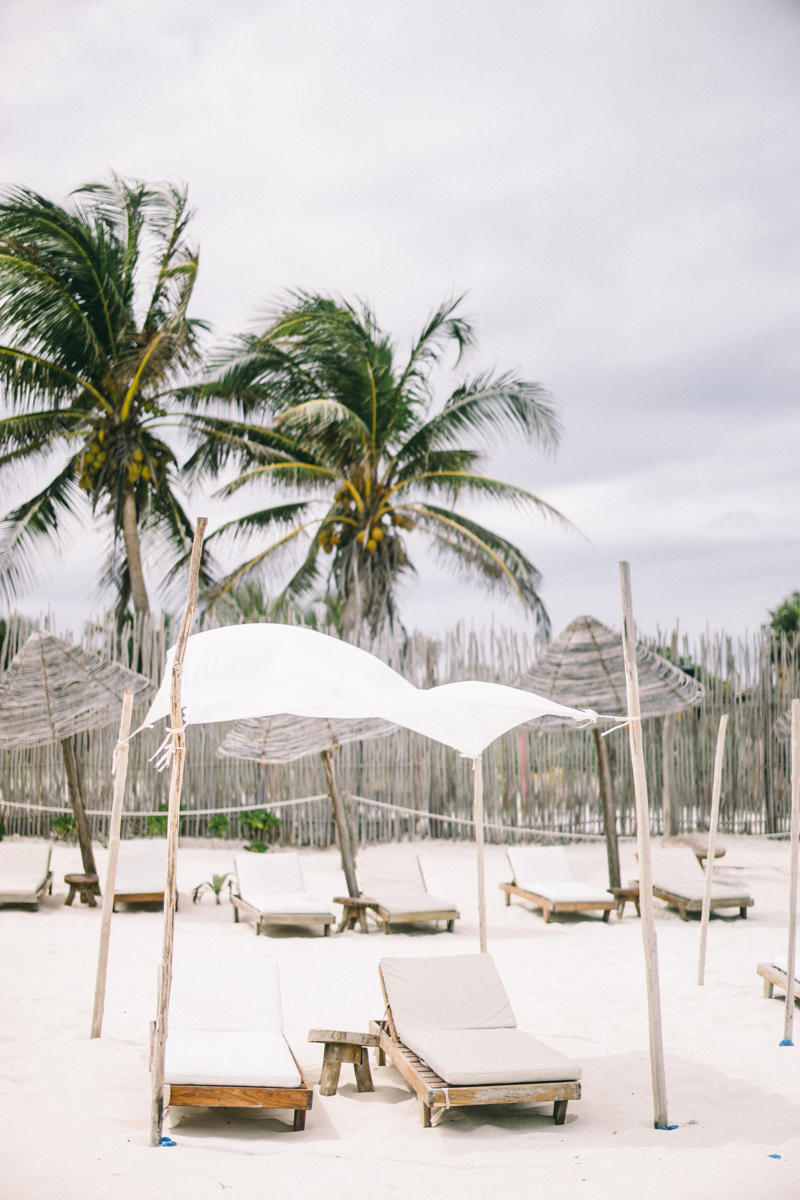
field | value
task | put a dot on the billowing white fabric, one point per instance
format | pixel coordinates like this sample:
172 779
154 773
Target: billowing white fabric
781 961
459 991
260 669
470 1057
24 867
229 1059
141 867
234 995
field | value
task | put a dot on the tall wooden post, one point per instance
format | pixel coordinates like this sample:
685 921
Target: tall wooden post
607 805
76 800
173 825
120 774
716 789
477 816
788 1019
342 824
660 1119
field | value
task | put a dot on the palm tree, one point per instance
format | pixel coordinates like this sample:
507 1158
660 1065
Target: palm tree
89 365
319 404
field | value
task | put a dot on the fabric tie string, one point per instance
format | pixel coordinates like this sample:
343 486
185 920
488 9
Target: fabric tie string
163 755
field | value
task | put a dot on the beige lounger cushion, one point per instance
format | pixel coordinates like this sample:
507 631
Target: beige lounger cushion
141 867
286 903
403 891
461 991
676 870
545 871
273 883
229 1059
420 902
465 1057
24 867
226 1024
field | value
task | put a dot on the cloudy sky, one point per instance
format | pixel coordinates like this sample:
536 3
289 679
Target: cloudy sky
614 184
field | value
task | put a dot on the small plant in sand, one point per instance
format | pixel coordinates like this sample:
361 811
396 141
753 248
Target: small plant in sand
64 828
218 826
261 826
215 885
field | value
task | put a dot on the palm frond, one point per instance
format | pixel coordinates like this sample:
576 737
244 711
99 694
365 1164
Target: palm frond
31 526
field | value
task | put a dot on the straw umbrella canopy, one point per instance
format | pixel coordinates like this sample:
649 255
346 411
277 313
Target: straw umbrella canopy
51 691
285 738
584 667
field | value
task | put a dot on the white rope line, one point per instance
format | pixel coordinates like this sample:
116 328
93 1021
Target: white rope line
422 814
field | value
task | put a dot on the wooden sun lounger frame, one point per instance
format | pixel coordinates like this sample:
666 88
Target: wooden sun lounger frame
684 905
434 1095
30 899
139 898
549 907
259 917
387 919
191 1095
774 977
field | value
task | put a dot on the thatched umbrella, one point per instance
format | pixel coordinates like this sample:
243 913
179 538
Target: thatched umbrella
284 738
53 690
584 667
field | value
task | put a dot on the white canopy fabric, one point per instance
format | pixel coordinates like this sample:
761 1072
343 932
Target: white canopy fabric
257 670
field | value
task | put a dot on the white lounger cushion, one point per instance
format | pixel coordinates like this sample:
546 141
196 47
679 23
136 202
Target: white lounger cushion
141 867
779 961
24 867
273 883
403 891
284 904
229 1059
545 871
420 902
465 1057
675 869
460 991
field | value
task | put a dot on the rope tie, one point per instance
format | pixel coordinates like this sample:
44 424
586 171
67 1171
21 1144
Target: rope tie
163 755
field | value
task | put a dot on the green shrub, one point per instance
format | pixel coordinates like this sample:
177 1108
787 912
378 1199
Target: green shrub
64 828
2 829
260 826
157 822
218 826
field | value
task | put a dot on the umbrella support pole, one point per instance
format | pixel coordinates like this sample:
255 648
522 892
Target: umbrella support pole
120 775
712 846
343 827
607 805
477 814
173 826
78 809
660 1119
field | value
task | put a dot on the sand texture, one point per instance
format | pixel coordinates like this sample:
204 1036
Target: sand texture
75 1112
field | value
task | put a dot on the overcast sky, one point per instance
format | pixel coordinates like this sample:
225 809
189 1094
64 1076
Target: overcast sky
615 185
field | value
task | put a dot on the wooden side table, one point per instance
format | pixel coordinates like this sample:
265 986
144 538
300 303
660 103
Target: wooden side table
342 1047
355 909
623 894
86 885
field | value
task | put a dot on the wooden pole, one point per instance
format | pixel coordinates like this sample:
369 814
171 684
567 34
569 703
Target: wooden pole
607 805
791 953
76 800
712 846
173 825
120 775
342 824
660 1119
477 816
669 798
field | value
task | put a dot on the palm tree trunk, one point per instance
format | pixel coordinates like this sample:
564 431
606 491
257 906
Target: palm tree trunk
133 553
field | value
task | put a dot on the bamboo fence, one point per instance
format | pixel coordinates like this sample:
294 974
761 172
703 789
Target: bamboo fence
533 778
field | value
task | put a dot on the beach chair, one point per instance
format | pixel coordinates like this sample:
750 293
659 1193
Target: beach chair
543 876
774 975
271 891
141 871
679 880
225 1044
25 873
450 1032
400 897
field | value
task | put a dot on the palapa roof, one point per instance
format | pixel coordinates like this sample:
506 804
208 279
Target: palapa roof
284 738
53 690
585 667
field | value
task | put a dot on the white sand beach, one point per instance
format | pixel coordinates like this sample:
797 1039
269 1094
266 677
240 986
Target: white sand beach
75 1112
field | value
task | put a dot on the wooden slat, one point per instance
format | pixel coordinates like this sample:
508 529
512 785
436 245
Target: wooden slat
339 1035
190 1094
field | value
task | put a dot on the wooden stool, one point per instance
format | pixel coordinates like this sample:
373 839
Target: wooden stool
341 1047
88 887
623 894
355 909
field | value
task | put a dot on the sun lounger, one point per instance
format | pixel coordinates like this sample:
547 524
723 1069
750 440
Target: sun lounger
774 975
543 876
141 871
272 892
225 1043
450 1032
25 873
402 898
679 879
